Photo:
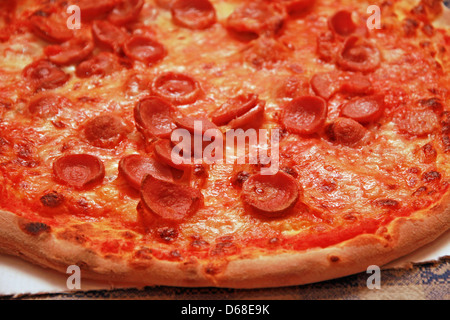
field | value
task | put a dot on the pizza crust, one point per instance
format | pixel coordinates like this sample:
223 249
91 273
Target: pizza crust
400 237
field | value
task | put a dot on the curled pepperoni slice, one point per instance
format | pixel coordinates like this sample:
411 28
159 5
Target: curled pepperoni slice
126 11
45 75
257 18
108 35
342 23
50 30
105 131
305 115
234 108
178 88
193 14
347 131
365 109
154 117
102 64
135 167
325 85
163 150
270 194
69 52
80 171
47 105
170 201
91 10
251 119
359 55
144 49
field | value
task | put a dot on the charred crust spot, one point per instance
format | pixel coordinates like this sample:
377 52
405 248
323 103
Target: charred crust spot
429 153
224 249
414 170
420 191
446 143
143 253
73 236
213 269
52 199
168 234
35 228
445 122
428 30
431 176
199 244
334 258
387 203
410 26
239 179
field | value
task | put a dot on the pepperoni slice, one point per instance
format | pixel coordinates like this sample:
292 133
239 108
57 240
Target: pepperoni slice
80 171
47 105
193 14
163 150
126 11
305 115
178 88
102 64
298 6
257 18
170 201
135 167
365 109
325 85
357 84
145 49
189 123
105 131
91 10
251 119
342 23
234 108
359 55
165 4
347 131
69 52
45 75
270 194
418 123
154 117
108 35
50 30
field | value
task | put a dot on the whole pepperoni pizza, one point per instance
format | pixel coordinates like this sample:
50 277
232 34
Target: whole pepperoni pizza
108 107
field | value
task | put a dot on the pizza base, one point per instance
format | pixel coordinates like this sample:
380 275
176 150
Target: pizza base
400 237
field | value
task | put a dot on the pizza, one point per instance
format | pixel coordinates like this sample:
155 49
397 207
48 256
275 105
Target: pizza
120 122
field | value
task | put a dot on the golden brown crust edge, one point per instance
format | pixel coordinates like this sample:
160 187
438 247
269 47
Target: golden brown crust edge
401 237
